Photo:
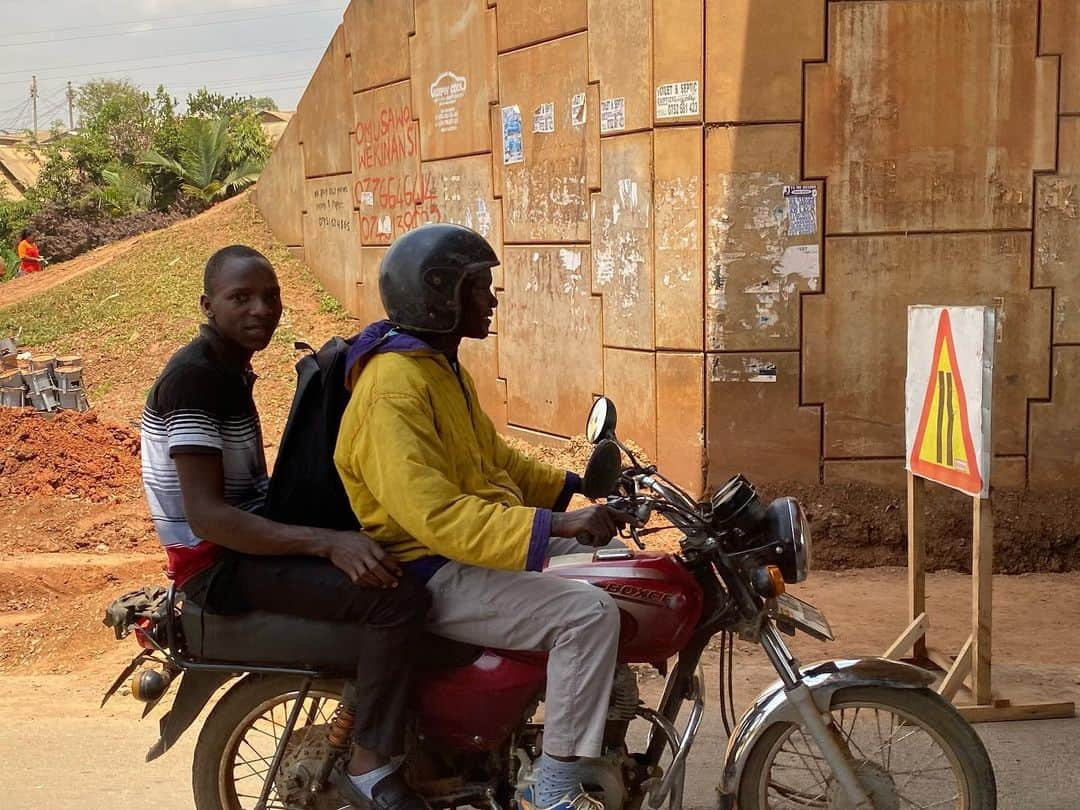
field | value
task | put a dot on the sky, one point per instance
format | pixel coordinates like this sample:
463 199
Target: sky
249 47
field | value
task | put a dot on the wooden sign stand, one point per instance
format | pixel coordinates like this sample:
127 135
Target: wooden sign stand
971 667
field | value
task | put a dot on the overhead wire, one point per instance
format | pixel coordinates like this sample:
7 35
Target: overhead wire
62 70
165 19
129 70
52 41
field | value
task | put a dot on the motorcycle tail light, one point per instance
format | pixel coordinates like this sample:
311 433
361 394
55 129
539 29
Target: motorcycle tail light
144 629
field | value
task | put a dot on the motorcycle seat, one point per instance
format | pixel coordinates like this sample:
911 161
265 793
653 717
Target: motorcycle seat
259 638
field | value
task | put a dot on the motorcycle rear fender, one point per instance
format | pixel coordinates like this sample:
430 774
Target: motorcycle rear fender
824 679
196 689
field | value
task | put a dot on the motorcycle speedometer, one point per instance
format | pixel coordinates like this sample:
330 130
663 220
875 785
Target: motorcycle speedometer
737 512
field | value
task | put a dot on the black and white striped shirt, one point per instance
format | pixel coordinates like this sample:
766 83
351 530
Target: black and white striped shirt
201 403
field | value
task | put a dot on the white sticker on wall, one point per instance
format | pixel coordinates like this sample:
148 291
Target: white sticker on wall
801 210
513 147
612 114
446 91
677 99
544 117
578 110
367 198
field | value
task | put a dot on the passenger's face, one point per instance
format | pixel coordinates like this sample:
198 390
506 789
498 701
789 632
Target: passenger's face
245 303
478 304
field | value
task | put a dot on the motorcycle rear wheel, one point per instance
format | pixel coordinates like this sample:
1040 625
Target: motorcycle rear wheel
238 740
785 770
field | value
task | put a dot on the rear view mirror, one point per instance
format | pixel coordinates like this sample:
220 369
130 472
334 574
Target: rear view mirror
602 419
602 473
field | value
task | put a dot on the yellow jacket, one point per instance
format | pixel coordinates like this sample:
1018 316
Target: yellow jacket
425 471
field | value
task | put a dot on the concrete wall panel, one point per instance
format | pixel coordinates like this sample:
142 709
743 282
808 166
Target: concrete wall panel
545 185
550 383
481 358
325 114
453 76
625 69
680 418
754 53
630 380
678 53
1057 234
921 140
388 186
677 243
526 22
854 340
331 248
462 193
763 243
1055 430
368 304
622 241
377 35
280 190
1060 33
755 424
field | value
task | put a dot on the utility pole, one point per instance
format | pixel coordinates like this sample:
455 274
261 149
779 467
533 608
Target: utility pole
34 97
71 107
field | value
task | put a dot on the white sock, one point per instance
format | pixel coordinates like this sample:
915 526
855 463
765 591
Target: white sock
364 782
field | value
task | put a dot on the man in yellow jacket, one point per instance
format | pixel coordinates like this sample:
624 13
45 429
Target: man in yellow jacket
430 478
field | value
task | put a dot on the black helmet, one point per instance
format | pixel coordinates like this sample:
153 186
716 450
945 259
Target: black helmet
421 275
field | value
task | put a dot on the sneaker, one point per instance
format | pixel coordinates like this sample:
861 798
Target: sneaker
390 793
571 801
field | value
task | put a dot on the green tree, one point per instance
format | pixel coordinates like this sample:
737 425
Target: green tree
203 167
206 104
125 115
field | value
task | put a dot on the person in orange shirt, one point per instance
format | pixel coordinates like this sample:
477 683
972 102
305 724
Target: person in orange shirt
29 256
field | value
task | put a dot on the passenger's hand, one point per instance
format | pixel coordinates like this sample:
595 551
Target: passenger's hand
591 526
363 560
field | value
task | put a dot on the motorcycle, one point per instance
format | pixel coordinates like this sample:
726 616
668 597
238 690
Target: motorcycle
864 733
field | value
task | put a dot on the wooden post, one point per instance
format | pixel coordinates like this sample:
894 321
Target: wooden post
916 490
982 570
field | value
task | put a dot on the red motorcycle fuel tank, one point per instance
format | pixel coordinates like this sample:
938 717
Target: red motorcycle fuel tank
477 706
659 600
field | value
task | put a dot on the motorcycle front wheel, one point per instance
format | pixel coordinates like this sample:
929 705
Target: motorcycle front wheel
237 743
910 747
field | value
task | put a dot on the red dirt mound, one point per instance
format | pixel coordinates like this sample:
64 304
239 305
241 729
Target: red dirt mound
72 455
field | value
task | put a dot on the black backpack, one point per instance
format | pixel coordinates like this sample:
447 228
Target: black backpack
305 489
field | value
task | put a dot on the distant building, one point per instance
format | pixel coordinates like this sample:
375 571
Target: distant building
274 123
20 163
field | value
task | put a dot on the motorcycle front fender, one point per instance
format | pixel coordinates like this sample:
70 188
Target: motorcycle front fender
824 679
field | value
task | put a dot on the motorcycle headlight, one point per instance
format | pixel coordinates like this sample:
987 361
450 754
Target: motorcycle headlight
789 529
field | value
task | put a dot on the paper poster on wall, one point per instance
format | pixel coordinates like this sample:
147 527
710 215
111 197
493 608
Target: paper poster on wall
578 110
446 91
544 117
801 210
513 147
948 395
612 114
677 99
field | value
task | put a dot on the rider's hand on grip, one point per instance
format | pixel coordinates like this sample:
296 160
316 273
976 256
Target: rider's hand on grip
591 526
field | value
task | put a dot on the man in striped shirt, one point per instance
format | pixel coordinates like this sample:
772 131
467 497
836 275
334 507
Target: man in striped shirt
205 477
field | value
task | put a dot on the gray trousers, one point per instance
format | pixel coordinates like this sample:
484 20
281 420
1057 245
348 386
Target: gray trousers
575 623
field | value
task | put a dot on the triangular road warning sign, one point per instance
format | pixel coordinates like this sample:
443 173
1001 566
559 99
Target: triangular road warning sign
943 450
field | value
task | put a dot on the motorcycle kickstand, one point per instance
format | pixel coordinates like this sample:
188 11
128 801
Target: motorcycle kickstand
283 743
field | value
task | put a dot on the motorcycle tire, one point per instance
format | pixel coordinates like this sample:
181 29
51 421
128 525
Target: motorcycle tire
208 769
970 762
